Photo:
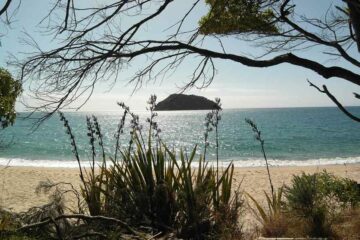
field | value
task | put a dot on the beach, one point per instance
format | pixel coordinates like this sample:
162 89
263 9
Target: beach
18 184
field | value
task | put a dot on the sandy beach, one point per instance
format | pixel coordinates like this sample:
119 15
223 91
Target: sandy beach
18 184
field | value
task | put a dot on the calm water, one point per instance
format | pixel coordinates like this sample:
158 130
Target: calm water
293 136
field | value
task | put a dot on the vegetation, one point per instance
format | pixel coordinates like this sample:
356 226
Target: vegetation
10 89
318 199
235 17
273 219
308 202
314 204
280 31
151 186
147 190
258 138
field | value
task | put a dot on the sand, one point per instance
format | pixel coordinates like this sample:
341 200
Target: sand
18 184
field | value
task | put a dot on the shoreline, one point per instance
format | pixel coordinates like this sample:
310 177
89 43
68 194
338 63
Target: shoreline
18 184
242 163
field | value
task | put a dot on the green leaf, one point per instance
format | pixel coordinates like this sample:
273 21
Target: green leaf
10 89
238 16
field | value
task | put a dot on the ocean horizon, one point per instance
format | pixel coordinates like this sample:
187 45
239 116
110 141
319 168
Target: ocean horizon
298 136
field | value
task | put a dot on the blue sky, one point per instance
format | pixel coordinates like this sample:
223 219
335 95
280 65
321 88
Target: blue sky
238 86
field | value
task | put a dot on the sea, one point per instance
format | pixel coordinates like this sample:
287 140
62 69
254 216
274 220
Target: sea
292 137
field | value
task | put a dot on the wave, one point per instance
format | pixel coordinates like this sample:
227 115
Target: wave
308 162
17 162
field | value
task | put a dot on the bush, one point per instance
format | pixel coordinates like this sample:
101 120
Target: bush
347 226
149 185
273 219
342 191
9 222
10 89
319 199
305 199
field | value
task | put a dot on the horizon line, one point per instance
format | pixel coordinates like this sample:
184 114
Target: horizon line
242 108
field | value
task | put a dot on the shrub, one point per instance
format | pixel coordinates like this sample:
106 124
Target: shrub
149 185
273 219
347 226
10 89
9 222
314 202
316 199
342 191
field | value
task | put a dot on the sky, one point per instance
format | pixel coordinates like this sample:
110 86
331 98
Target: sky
238 86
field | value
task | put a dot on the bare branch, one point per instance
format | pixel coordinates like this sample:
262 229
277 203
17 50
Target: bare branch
357 95
5 7
354 7
338 104
94 47
79 216
67 15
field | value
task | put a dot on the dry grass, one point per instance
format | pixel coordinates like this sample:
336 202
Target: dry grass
348 225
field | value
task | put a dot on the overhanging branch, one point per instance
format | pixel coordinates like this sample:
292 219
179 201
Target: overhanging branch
333 98
326 72
354 7
97 47
5 7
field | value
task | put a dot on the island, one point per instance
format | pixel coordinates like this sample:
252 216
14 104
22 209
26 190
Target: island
176 102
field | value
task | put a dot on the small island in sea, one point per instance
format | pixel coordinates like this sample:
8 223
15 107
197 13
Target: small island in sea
176 102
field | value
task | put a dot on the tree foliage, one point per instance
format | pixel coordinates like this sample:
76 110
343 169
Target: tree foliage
9 91
238 16
94 47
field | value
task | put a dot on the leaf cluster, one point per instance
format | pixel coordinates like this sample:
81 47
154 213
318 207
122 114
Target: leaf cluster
237 16
10 89
151 186
319 199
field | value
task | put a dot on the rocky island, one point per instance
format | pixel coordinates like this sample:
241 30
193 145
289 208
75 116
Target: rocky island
185 102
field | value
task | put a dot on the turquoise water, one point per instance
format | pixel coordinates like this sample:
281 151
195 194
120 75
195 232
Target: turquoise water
293 136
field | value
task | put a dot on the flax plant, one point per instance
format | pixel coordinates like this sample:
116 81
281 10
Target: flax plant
271 217
153 125
155 187
94 181
120 130
212 122
215 123
208 129
74 150
258 137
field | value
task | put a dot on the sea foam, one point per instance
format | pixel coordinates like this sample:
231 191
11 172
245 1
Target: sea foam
16 162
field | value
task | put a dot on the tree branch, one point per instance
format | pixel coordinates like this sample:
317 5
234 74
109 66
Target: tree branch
79 216
67 13
354 7
5 7
326 72
312 37
338 104
97 47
